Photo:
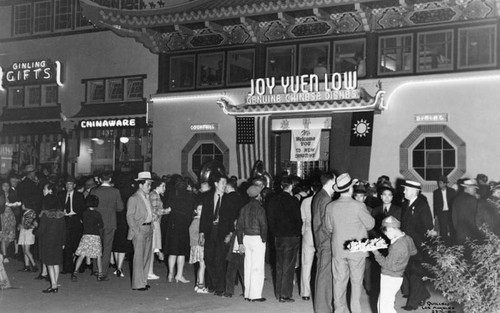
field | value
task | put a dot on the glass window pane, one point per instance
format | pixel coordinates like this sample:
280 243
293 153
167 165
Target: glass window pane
96 91
477 46
349 56
421 145
207 149
43 17
280 62
51 94
314 59
433 174
22 19
210 69
433 159
420 172
135 88
196 162
433 143
396 54
447 170
34 95
63 14
449 158
115 89
181 72
17 96
240 67
219 158
446 144
435 51
418 158
81 21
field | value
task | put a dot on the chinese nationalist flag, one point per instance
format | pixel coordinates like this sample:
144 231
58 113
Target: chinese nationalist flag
361 129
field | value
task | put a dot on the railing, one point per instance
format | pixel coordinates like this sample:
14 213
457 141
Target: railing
131 4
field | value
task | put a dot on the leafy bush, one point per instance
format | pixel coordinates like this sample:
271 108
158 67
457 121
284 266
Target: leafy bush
467 274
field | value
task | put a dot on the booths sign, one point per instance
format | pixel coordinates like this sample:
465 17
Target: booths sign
304 88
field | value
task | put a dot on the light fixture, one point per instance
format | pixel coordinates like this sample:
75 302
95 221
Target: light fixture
124 139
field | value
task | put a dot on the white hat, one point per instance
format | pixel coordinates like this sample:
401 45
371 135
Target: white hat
412 184
343 182
144 176
470 183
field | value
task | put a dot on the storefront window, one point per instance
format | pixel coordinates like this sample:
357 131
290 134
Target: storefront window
314 59
51 94
181 72
435 51
96 91
349 55
280 62
102 154
134 88
22 19
477 46
16 96
240 65
395 53
205 153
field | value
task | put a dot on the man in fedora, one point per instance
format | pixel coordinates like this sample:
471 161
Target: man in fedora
443 198
347 219
464 212
28 190
324 279
110 202
139 220
416 222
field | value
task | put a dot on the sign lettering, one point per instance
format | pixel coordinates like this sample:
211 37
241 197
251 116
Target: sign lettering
109 123
30 73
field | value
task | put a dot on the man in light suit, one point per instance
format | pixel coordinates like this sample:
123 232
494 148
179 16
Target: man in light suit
324 282
139 220
347 219
443 199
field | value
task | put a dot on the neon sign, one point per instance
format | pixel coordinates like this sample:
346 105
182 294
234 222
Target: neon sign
31 73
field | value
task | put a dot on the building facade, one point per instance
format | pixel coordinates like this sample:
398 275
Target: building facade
66 105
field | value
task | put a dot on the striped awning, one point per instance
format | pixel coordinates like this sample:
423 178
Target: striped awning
14 133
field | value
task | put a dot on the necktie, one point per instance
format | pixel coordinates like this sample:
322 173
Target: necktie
217 207
68 204
386 211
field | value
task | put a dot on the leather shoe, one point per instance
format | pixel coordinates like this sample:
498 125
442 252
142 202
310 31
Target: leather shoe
140 289
306 298
408 308
246 299
258 300
285 299
227 295
218 293
147 287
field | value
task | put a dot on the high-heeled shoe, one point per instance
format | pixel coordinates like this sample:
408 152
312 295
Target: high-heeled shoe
182 280
42 277
170 278
50 290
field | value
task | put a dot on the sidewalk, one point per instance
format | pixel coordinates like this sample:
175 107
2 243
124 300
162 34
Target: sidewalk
89 296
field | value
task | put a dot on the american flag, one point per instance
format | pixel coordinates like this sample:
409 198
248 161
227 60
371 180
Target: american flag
252 143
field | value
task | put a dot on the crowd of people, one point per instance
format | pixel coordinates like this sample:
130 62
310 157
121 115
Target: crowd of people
229 231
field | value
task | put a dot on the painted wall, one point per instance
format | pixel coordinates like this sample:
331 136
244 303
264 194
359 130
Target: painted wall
472 102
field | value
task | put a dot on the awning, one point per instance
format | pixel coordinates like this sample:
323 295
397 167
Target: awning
119 109
112 132
31 132
35 114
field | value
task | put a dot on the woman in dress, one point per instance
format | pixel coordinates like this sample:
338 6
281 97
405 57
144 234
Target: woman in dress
52 233
8 219
27 238
158 189
182 202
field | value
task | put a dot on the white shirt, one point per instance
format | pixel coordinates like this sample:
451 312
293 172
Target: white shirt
70 196
445 201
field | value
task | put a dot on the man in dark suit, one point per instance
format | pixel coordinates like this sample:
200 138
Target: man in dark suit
323 299
443 199
28 191
387 208
212 203
464 213
73 203
416 221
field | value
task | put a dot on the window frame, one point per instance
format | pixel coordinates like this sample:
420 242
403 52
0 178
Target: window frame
49 19
426 150
106 85
293 58
346 41
199 64
228 72
493 46
317 44
28 19
27 96
69 14
109 89
172 59
380 54
451 51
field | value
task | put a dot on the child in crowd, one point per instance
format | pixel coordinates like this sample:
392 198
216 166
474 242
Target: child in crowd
235 262
27 238
394 264
197 251
90 244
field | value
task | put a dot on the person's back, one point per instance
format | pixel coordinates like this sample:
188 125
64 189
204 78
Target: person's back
110 202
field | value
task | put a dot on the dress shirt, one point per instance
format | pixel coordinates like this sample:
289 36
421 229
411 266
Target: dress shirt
69 197
145 197
445 200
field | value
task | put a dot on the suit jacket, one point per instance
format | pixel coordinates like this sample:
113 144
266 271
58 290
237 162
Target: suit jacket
318 209
228 213
28 192
137 213
378 215
464 217
110 202
207 213
347 219
78 202
437 199
416 220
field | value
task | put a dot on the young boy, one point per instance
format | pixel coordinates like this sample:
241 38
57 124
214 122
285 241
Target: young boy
394 264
